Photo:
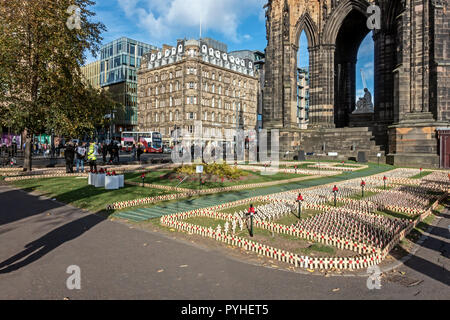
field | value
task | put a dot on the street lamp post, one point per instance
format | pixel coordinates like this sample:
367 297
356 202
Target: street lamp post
300 201
335 191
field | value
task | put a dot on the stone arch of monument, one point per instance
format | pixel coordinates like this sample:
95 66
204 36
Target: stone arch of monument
411 67
306 23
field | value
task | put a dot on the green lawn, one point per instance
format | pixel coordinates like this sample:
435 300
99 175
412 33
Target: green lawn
423 174
76 191
358 196
242 207
394 214
158 177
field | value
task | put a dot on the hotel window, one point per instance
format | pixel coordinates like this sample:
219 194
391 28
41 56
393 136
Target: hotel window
171 87
205 118
214 76
213 87
171 101
212 102
212 117
156 78
171 117
171 75
220 90
149 92
157 90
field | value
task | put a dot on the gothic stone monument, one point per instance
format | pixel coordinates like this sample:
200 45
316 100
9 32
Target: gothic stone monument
411 92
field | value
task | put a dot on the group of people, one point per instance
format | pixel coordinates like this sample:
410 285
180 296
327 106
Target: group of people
81 153
113 148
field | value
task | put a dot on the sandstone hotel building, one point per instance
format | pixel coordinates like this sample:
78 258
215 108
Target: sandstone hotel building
197 81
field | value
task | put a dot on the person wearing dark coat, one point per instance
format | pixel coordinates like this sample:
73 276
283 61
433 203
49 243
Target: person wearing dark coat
116 151
69 155
111 151
104 151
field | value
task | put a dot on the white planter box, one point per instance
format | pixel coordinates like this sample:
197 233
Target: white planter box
93 179
90 178
100 181
121 181
112 182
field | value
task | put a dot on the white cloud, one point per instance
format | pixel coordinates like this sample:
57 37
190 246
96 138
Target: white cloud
368 70
166 19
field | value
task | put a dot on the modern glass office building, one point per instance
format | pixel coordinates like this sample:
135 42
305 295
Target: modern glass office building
119 62
303 97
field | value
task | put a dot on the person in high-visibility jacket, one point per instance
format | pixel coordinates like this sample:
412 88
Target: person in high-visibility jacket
92 156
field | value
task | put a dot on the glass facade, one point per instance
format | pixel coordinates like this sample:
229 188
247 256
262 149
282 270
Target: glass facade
303 97
119 62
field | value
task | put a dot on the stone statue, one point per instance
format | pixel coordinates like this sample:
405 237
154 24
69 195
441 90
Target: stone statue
324 11
286 22
364 104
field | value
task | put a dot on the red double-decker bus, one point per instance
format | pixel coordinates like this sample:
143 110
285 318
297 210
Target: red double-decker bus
150 141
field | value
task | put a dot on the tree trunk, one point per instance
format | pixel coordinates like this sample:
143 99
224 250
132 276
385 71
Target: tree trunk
27 153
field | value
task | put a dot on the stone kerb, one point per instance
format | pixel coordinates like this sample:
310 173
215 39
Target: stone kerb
43 176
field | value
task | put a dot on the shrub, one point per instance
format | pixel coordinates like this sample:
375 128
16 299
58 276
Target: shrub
214 169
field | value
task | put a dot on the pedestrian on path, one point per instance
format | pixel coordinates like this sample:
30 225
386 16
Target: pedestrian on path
92 156
80 157
69 155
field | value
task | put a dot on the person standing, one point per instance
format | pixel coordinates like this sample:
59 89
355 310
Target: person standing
139 151
69 155
81 155
133 152
116 153
92 156
104 151
111 151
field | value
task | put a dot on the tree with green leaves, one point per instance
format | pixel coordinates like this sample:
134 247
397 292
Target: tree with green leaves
43 43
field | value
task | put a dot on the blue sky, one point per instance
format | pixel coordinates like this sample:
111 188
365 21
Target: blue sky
238 23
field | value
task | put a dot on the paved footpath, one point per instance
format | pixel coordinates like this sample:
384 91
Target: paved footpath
40 238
